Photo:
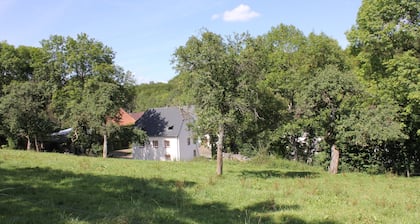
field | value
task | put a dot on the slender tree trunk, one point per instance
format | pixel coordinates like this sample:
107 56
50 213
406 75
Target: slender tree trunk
219 169
335 155
105 148
36 144
28 142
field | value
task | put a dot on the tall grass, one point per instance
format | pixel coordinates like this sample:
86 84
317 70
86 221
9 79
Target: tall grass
57 188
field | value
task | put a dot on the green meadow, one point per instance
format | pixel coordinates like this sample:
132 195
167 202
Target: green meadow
59 188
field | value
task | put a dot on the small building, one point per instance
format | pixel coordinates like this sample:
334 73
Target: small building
169 134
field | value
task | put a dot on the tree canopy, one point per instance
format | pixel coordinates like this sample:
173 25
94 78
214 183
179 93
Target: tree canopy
222 76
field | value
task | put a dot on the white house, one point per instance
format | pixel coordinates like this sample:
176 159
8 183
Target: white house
170 137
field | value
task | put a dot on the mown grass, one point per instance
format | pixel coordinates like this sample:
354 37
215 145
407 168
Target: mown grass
57 188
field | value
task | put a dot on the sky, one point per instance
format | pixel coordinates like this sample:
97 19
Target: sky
145 34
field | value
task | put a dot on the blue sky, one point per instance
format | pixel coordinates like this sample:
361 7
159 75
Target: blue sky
145 34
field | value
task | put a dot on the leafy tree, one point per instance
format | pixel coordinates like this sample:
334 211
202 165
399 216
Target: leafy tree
385 42
14 64
222 83
101 103
94 87
293 59
332 105
24 110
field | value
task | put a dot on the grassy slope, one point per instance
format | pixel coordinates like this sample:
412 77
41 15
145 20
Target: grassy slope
57 188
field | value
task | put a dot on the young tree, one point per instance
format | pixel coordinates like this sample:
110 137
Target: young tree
222 81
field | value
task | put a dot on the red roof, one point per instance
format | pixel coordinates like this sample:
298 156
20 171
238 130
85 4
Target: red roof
127 119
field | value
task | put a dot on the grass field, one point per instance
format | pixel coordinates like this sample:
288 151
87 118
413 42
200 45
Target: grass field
58 188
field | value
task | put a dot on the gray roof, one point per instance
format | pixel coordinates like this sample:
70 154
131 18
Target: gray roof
165 121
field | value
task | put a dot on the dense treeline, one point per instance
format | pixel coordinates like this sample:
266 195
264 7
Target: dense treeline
66 83
285 93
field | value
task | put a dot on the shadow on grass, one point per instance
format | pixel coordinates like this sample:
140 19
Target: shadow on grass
43 195
271 206
278 174
290 219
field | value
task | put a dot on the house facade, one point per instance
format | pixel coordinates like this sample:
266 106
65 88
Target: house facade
169 135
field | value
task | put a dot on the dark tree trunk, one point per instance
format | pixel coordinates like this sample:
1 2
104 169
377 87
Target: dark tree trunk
219 169
335 155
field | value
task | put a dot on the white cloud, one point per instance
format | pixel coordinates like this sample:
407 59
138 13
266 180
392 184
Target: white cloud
239 14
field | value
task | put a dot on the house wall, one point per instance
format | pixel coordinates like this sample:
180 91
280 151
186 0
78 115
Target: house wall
162 153
171 151
187 151
178 150
147 152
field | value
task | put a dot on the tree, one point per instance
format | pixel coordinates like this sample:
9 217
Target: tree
94 87
334 106
24 110
385 42
222 81
101 104
14 64
293 60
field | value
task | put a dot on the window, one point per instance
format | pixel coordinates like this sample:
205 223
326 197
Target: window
155 143
167 144
188 141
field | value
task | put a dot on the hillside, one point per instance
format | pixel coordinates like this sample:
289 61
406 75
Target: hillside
58 188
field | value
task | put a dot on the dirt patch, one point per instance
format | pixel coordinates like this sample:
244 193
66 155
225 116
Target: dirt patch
123 154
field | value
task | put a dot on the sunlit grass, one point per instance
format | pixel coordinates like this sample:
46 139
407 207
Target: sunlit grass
57 188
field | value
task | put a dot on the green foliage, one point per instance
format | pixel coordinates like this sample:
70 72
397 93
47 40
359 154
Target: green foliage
292 78
385 43
14 64
72 82
153 95
222 74
24 110
221 80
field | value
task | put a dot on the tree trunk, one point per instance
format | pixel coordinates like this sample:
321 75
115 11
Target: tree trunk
105 148
36 144
335 155
28 143
219 169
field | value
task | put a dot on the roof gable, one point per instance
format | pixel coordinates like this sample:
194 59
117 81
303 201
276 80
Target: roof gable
126 119
136 116
164 121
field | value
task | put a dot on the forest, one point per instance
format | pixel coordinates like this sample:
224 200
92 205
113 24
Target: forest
283 93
